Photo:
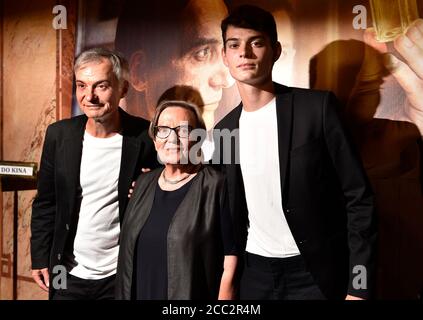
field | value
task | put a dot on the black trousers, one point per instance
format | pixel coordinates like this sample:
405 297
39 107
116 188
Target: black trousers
83 289
277 279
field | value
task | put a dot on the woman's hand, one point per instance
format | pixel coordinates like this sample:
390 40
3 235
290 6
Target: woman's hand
227 289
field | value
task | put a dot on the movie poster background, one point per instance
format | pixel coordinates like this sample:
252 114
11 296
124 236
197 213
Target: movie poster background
322 49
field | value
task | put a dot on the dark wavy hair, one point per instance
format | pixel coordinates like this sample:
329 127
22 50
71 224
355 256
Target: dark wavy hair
251 17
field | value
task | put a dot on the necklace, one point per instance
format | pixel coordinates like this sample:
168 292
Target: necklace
174 181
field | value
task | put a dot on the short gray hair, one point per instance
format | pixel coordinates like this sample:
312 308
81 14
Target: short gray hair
199 122
119 63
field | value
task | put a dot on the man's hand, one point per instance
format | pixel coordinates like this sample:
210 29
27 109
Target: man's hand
349 297
407 69
41 278
409 73
365 96
131 190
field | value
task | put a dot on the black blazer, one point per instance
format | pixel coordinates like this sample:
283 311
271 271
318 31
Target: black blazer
326 197
55 209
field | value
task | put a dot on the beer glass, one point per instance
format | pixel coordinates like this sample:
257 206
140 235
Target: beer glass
392 17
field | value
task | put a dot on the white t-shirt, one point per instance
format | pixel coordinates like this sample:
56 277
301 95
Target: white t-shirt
96 242
208 147
269 234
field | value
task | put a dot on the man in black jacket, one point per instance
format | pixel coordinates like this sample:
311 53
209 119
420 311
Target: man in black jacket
87 166
297 189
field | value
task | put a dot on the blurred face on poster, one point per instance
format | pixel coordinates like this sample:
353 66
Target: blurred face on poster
201 64
283 68
177 43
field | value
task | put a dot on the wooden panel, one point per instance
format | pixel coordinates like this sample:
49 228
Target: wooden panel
66 40
35 90
1 141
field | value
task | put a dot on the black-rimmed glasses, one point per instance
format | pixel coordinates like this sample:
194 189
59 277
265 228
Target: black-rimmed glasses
163 132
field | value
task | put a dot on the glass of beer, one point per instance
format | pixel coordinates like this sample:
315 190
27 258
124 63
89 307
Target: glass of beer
392 17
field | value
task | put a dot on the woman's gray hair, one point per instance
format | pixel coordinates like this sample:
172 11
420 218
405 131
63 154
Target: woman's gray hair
119 63
195 110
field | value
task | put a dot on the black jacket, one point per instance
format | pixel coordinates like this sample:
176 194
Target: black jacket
55 209
326 197
194 240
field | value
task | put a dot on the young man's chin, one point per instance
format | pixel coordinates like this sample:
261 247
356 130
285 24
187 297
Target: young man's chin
211 107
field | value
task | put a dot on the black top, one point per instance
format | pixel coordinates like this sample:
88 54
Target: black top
151 250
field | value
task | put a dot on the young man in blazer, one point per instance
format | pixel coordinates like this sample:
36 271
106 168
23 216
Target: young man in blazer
87 166
297 189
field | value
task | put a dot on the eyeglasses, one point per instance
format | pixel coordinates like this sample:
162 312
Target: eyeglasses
163 132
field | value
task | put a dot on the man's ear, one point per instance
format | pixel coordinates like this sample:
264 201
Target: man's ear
277 51
137 64
125 87
225 61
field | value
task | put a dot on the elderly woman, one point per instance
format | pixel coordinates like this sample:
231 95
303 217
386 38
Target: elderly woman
177 240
